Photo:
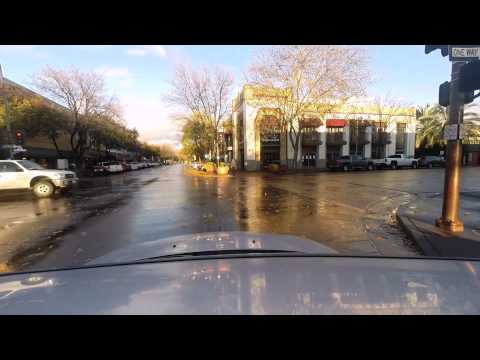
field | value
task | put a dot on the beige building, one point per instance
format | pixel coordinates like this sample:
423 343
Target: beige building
364 129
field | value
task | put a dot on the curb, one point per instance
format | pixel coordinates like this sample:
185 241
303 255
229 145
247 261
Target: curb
416 235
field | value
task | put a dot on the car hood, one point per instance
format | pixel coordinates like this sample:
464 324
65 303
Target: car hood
250 285
52 171
234 240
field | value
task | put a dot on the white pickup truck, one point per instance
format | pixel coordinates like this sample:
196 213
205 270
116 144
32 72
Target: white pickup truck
396 161
26 174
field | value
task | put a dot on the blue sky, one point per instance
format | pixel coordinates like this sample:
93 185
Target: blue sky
138 75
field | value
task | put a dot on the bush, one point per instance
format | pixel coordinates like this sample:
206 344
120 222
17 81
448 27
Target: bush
210 167
223 170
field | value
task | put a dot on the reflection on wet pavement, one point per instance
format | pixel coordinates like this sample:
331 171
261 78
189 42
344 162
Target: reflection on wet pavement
352 213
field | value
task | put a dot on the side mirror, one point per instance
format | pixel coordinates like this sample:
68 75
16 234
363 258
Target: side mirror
19 170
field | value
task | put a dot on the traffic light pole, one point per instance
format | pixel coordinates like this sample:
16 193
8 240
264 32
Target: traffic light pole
450 219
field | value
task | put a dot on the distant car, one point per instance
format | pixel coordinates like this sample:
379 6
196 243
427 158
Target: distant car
126 166
112 166
396 161
196 165
350 162
26 174
134 166
430 161
98 169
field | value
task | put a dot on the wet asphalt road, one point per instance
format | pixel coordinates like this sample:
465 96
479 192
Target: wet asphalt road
350 212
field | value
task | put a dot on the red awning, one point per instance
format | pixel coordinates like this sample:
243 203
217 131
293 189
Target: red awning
336 123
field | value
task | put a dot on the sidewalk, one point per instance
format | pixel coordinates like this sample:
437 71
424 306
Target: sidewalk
418 221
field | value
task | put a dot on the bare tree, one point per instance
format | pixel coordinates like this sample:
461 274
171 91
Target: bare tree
205 93
311 78
84 95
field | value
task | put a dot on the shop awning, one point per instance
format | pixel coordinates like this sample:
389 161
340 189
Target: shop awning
336 123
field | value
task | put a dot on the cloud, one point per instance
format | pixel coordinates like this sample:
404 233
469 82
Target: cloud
111 71
144 50
152 118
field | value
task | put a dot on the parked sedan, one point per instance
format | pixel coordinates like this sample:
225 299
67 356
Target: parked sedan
135 165
126 166
430 161
112 166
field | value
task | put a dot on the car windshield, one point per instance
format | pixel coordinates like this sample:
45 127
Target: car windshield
164 142
30 165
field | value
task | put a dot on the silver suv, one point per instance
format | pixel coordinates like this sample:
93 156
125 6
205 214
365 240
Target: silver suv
26 174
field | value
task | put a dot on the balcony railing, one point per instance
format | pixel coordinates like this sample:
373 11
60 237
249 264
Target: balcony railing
335 139
359 138
311 139
381 137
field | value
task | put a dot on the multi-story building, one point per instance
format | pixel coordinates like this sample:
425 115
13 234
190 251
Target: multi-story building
365 129
40 147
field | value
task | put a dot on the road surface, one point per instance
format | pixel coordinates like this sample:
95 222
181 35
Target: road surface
352 212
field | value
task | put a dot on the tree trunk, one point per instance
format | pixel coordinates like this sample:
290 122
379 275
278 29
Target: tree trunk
295 139
54 141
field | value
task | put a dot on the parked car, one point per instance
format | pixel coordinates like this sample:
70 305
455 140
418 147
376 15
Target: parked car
430 161
396 161
134 166
28 175
98 170
112 166
196 165
126 166
350 162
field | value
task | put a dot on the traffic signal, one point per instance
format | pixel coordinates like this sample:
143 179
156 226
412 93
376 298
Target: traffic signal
469 79
19 138
442 48
444 95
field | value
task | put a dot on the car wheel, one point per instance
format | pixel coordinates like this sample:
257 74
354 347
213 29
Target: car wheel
43 189
394 166
414 165
346 167
370 167
430 165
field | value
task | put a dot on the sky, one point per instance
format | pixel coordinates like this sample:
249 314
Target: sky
138 75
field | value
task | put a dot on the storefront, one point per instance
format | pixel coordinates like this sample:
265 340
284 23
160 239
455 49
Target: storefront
259 141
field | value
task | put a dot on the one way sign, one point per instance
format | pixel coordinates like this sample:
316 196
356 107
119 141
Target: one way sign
464 52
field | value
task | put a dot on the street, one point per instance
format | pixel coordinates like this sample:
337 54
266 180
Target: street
354 212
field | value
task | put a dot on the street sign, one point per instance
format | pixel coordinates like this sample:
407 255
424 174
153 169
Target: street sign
451 132
461 133
464 52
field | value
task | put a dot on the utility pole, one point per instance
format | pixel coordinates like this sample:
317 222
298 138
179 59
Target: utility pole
450 219
465 79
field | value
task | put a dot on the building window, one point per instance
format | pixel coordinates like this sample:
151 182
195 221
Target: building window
358 136
334 130
400 138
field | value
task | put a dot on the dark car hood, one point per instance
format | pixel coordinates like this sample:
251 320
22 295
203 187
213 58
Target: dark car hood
233 240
